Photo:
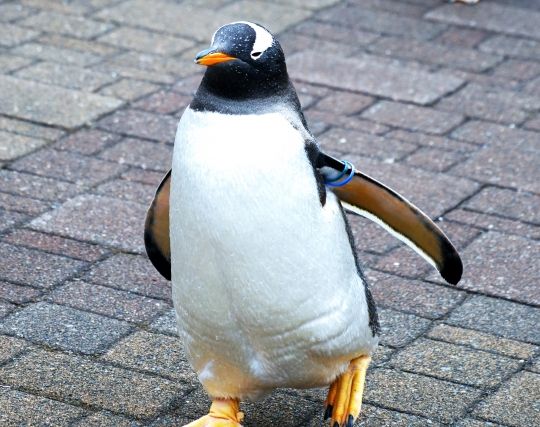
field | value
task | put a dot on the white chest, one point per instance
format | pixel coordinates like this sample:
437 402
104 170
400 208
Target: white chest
261 271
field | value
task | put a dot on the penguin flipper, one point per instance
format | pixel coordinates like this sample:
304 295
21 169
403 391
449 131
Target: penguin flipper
156 229
369 198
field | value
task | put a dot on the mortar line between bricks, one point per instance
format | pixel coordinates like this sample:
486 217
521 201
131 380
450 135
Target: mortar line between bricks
72 402
502 216
453 287
493 391
485 350
485 229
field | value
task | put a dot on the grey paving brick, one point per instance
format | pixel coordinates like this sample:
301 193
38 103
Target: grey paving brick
10 63
10 347
146 41
34 267
141 124
434 160
79 380
482 341
516 403
61 327
494 163
110 302
50 104
344 102
166 324
512 46
292 42
56 244
164 102
139 153
398 329
159 354
533 124
131 273
498 317
416 394
452 57
69 76
413 296
469 422
518 69
177 18
432 141
134 72
489 103
11 35
366 72
349 141
172 66
462 37
6 308
518 205
68 166
129 89
319 121
97 219
18 408
488 270
22 204
9 219
87 141
321 30
73 8
92 47
455 363
372 416
13 11
13 145
378 21
488 222
412 117
30 129
17 294
491 16
105 419
128 190
52 53
76 26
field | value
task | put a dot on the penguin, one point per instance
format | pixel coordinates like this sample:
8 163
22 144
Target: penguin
250 227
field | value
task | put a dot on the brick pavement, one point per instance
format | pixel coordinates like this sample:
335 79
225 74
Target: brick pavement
441 101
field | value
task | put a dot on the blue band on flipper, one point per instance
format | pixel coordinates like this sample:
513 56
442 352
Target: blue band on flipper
338 175
333 181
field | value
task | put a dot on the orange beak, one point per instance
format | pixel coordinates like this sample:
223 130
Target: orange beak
209 57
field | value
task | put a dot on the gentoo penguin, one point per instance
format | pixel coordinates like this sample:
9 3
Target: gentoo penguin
250 227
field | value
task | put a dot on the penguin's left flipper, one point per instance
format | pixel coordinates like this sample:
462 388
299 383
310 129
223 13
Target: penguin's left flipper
156 229
367 197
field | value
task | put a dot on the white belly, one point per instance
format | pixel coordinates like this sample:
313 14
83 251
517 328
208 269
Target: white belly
264 281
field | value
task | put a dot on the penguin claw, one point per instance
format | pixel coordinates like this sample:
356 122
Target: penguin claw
223 413
345 394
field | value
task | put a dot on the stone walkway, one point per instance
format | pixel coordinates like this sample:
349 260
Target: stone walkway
440 101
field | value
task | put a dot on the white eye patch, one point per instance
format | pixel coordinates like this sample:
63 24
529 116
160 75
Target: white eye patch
263 39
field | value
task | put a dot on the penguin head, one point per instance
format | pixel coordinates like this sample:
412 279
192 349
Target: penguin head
244 61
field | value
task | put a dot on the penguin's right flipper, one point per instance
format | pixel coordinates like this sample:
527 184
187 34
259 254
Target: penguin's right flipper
156 229
369 198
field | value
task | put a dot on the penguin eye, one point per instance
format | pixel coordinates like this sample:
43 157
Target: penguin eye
255 54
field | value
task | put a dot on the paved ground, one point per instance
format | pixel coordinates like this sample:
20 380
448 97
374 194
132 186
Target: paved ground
440 101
